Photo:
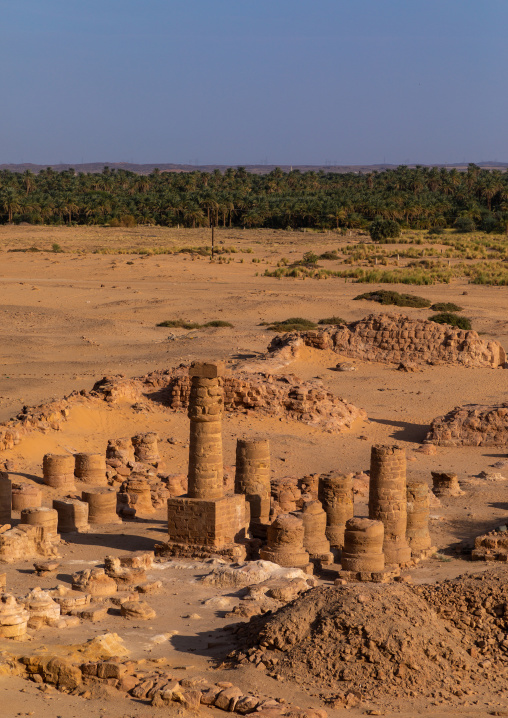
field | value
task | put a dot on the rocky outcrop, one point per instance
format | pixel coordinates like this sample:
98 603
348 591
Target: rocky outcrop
393 338
471 425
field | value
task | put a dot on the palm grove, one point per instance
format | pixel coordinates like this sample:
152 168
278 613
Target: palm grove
418 198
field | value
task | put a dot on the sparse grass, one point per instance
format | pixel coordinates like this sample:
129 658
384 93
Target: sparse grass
384 296
446 307
452 320
332 320
56 248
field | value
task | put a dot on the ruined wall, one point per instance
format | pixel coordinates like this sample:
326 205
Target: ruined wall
395 338
471 425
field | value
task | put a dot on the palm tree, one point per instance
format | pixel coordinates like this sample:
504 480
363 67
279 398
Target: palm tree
10 202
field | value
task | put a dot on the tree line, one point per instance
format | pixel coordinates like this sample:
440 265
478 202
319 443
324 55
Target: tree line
417 198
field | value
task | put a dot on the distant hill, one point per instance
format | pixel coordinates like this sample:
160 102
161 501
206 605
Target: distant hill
145 169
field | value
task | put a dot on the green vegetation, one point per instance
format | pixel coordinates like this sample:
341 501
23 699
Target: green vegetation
446 307
452 319
384 296
182 324
332 320
384 229
293 324
420 198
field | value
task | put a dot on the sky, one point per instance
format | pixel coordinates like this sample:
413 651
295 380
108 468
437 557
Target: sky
253 81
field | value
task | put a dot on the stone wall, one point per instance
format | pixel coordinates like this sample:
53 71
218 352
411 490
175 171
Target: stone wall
393 338
471 425
281 396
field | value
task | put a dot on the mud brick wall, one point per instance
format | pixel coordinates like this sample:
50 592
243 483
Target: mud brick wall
471 425
395 338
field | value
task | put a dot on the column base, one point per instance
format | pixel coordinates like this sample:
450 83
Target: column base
212 525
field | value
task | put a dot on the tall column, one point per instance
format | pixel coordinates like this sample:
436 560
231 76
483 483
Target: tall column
418 511
252 476
335 491
5 499
388 500
205 446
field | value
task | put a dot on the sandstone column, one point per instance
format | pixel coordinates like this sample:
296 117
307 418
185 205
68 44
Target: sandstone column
146 447
101 502
363 546
91 469
5 499
314 538
43 517
388 500
58 471
285 543
252 477
25 496
418 535
335 491
205 446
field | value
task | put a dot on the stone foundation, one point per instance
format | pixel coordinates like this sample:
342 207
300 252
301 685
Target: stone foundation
210 523
445 484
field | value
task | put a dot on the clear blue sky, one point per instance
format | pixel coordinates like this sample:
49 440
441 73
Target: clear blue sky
249 81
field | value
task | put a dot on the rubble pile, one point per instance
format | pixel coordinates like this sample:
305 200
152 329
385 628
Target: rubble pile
471 425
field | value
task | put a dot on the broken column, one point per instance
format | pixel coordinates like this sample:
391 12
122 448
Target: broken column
445 484
58 471
136 496
72 515
13 618
101 502
90 468
206 518
335 492
146 447
362 555
314 538
44 518
418 535
252 478
5 499
388 500
285 543
120 449
25 496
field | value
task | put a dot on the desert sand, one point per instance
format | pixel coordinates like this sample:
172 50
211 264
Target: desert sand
71 318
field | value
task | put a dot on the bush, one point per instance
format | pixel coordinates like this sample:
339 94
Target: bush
56 248
384 296
218 323
383 229
179 324
329 255
310 258
332 320
446 307
463 225
452 319
293 324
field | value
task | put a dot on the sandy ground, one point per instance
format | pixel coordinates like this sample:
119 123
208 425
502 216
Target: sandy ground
68 319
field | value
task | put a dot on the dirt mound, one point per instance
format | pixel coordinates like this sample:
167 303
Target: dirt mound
477 606
373 640
395 338
471 425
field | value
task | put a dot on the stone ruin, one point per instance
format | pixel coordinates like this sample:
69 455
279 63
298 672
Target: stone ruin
395 338
252 478
206 520
388 500
471 425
